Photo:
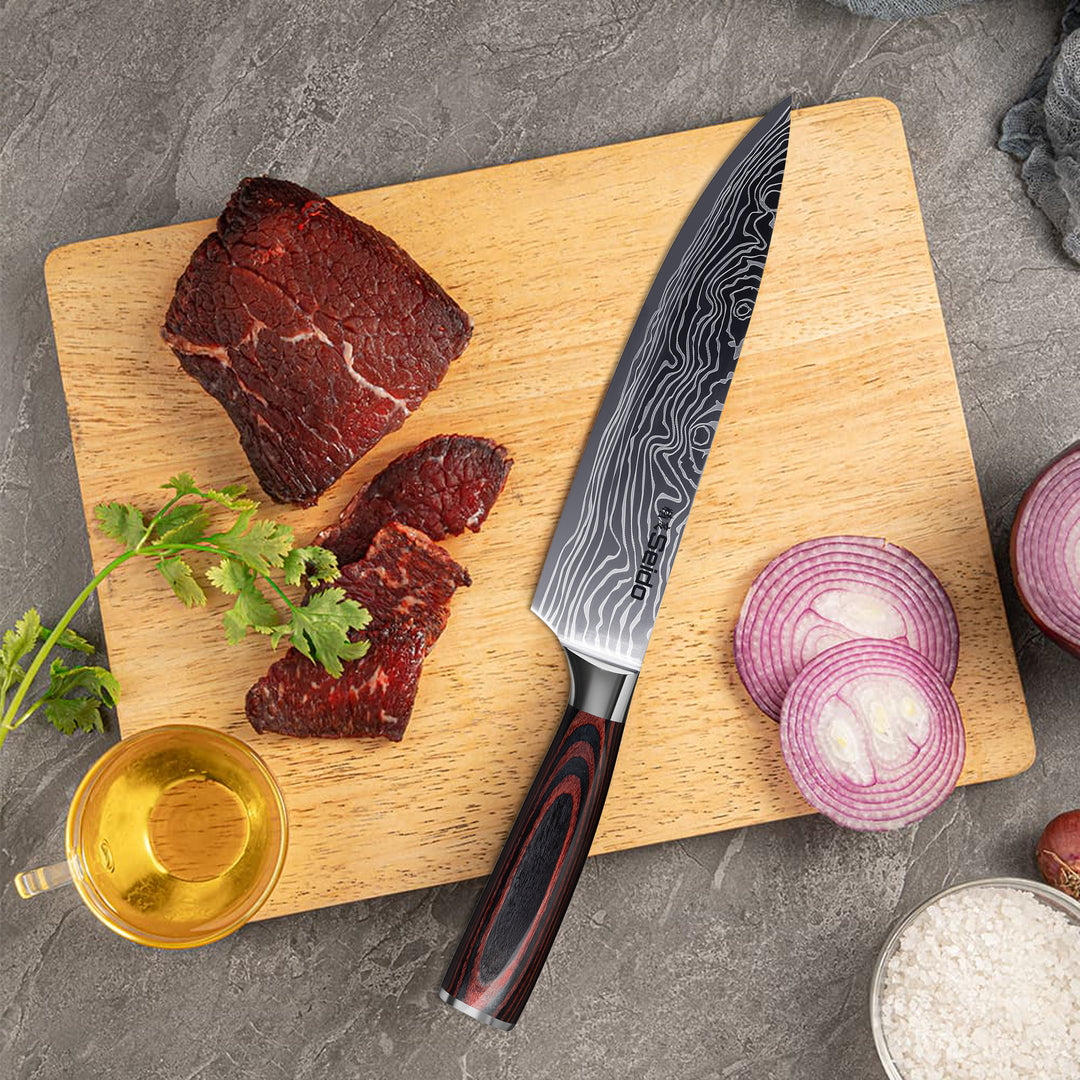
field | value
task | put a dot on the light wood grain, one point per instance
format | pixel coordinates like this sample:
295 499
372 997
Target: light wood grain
844 417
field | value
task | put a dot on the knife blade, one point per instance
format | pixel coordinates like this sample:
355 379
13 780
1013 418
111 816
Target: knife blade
610 558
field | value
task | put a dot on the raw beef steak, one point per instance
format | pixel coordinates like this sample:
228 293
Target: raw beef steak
316 333
444 486
406 583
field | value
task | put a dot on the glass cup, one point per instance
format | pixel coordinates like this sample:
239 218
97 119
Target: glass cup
175 837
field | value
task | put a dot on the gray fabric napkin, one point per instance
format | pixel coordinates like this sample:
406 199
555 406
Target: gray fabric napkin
898 9
1042 129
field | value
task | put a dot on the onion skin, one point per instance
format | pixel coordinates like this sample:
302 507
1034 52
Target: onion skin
1053 634
1058 853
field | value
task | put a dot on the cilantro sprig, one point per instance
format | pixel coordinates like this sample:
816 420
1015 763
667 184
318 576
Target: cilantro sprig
245 558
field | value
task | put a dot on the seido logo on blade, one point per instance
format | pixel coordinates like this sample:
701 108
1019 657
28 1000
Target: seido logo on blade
646 571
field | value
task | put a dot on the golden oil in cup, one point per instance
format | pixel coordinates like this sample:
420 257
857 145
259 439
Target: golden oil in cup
175 837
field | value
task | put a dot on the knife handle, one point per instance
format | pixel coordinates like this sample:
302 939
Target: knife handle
503 949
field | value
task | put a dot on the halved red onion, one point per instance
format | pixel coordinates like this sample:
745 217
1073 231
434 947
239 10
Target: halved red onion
833 589
872 735
1045 550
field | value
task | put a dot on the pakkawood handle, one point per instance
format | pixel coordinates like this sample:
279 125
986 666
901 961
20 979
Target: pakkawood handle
499 957
501 953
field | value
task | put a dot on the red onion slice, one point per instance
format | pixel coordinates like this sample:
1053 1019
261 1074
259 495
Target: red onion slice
872 735
1045 550
822 592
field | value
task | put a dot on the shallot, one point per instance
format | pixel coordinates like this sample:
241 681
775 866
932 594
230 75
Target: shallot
1058 853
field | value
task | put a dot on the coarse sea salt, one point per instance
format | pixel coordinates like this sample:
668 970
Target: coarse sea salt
985 985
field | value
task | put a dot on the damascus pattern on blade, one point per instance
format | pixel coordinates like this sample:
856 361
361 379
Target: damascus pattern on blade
610 558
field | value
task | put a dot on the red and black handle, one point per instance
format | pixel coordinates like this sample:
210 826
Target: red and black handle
503 949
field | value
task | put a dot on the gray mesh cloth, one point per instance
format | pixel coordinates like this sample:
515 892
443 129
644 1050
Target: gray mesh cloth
898 9
1042 129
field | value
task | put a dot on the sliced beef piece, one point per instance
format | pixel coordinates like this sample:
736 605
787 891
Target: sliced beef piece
406 583
444 486
374 697
406 579
317 334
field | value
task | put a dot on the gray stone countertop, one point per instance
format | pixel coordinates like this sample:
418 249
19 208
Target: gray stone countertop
739 955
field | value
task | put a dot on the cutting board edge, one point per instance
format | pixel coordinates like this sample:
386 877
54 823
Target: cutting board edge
743 821
1026 755
56 255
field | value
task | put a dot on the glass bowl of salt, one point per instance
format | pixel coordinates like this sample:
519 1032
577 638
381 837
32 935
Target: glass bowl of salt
979 981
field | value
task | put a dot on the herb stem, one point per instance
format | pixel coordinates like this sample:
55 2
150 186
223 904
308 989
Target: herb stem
15 724
249 554
7 722
155 519
177 549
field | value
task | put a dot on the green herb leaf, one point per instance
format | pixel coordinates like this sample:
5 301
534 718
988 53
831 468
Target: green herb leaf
230 576
122 522
263 545
69 640
251 611
99 681
185 524
17 643
69 714
317 564
321 629
230 496
182 483
179 575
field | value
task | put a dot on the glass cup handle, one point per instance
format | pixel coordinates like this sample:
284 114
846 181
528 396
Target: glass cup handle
31 882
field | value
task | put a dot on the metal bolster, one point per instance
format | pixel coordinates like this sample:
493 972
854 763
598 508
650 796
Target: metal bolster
598 689
476 1014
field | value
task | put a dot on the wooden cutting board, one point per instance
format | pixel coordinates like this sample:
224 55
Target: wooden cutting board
844 417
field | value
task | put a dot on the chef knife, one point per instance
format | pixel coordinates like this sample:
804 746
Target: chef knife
610 558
